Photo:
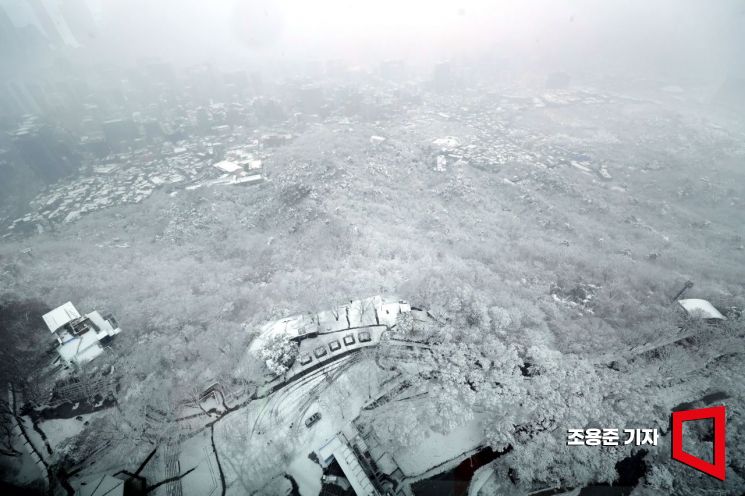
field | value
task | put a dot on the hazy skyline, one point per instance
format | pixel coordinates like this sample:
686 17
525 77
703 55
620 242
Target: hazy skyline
680 39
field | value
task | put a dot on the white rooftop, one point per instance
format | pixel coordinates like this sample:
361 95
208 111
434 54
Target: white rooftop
81 349
104 326
247 179
338 448
254 164
446 143
366 312
701 309
227 166
60 316
83 344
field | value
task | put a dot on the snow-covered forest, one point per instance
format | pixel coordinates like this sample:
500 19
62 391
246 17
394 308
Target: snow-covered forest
528 233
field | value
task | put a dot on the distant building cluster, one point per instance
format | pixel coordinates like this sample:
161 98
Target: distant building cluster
131 177
493 145
170 130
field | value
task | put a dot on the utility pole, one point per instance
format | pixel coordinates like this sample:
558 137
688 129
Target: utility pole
688 285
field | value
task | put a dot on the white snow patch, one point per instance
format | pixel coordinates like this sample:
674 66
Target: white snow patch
479 479
57 430
438 448
307 474
205 479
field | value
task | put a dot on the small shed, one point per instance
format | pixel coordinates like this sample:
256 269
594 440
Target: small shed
229 167
63 314
701 309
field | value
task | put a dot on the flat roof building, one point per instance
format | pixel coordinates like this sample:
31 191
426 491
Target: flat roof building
229 167
80 338
701 309
337 448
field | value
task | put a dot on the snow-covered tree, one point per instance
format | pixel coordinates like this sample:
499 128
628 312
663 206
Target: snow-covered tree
279 353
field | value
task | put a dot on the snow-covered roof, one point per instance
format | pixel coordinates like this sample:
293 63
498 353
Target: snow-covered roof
227 166
295 326
338 448
390 309
248 179
81 349
446 143
326 452
328 321
104 326
60 316
254 164
362 312
371 311
701 309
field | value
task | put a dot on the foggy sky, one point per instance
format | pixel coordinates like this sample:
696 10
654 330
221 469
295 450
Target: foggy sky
679 38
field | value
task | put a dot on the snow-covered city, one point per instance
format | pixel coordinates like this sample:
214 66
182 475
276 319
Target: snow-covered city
393 248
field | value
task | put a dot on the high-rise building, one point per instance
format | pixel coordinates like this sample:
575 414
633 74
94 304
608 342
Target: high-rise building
45 20
9 39
79 20
442 76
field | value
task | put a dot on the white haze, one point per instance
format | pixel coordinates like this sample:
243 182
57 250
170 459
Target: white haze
661 38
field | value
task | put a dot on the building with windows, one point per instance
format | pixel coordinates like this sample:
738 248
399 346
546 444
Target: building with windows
81 338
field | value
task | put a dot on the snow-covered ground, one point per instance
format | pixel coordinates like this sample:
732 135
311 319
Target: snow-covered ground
21 470
197 453
275 427
58 430
480 479
307 474
437 449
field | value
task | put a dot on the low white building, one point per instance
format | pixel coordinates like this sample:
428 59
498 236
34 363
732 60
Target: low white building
372 311
235 173
229 167
337 448
81 338
244 179
701 309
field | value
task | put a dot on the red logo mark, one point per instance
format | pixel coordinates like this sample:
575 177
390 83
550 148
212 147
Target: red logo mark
716 469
